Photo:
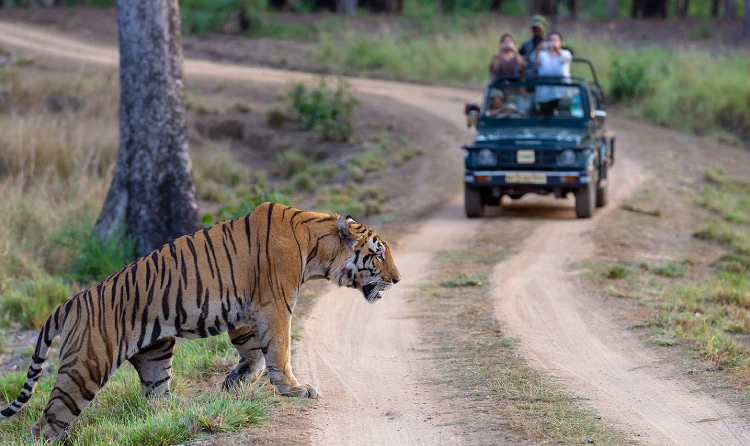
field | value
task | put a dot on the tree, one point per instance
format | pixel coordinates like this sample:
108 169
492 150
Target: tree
573 6
346 6
730 7
747 19
681 9
612 9
152 192
544 7
649 9
714 8
495 5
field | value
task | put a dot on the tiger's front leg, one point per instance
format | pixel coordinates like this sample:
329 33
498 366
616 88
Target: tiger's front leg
274 333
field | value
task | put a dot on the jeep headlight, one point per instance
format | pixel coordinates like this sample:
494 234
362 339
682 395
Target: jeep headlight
567 158
486 157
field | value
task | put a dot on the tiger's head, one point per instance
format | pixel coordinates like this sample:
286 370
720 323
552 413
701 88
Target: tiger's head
369 266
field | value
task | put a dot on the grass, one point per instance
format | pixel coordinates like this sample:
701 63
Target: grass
29 302
217 174
618 272
480 367
705 308
463 280
324 110
120 415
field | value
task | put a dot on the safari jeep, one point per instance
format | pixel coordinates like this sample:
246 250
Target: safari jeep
541 135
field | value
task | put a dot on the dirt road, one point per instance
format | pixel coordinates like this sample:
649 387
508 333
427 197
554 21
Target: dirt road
366 358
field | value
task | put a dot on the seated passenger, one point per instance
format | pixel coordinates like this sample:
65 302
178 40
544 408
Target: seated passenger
497 108
507 62
552 61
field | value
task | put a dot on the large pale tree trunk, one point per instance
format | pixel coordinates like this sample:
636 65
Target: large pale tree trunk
152 190
612 9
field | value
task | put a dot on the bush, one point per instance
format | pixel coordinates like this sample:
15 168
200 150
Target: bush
629 79
323 110
303 181
94 258
291 162
31 301
618 272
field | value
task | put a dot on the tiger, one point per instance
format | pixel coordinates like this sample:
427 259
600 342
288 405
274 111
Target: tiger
242 276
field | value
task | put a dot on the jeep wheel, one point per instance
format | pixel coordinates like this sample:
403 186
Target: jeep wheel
473 204
602 195
586 201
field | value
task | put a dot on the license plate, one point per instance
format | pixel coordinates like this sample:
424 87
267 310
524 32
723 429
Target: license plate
534 178
525 157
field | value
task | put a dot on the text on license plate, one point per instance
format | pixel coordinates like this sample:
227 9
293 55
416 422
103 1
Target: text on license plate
535 178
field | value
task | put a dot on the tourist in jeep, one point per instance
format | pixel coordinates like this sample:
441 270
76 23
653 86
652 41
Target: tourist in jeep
508 62
553 61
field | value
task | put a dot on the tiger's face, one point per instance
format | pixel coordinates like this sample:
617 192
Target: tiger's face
370 267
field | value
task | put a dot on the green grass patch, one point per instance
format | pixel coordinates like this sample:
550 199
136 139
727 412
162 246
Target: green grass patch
463 280
350 199
94 258
120 415
217 174
619 272
673 269
29 302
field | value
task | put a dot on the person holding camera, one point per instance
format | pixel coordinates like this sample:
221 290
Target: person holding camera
508 62
551 60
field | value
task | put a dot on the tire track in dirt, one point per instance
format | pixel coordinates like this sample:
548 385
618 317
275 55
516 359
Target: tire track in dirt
366 357
572 335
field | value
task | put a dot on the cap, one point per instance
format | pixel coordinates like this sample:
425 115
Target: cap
496 93
538 20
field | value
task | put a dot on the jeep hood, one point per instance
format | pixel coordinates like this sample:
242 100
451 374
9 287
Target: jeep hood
532 136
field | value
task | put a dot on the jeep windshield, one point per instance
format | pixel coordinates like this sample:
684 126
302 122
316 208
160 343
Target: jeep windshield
533 100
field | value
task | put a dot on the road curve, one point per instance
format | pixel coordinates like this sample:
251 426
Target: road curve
366 358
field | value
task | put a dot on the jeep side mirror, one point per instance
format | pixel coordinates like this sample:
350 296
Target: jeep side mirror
601 114
472 114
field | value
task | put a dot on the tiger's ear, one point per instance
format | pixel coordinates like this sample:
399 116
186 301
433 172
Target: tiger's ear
345 232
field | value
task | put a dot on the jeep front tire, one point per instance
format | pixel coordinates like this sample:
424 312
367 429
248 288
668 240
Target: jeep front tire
586 201
473 203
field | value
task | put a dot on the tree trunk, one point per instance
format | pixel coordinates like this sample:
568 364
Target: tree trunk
730 9
152 190
544 7
573 6
747 19
681 9
714 8
495 5
390 6
346 6
439 7
613 11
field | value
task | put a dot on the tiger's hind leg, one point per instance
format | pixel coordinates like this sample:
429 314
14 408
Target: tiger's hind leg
154 366
78 381
252 362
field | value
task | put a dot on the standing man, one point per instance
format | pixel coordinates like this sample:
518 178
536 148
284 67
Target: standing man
538 28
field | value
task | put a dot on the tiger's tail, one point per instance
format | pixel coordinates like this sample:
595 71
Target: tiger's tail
51 329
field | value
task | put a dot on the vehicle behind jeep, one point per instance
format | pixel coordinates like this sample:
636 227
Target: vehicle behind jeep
524 145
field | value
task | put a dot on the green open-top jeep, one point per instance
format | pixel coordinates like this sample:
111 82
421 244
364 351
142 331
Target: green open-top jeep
542 135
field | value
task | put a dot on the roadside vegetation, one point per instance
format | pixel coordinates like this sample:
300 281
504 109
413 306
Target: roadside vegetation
705 307
478 362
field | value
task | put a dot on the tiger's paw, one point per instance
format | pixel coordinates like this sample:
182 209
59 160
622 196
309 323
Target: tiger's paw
303 391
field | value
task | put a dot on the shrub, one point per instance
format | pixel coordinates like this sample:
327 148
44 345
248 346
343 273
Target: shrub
94 258
303 181
323 110
291 162
629 79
